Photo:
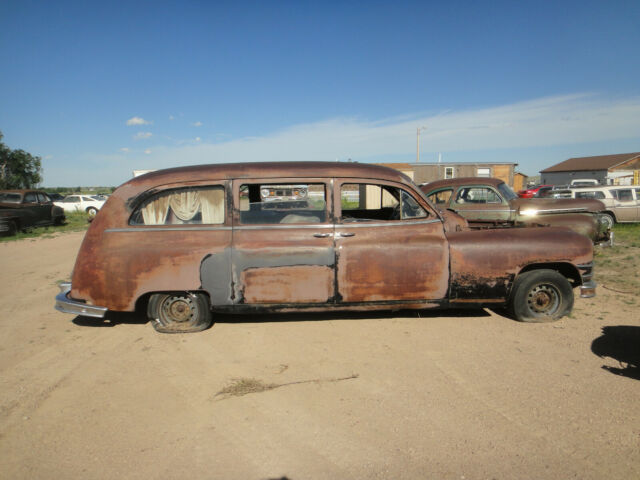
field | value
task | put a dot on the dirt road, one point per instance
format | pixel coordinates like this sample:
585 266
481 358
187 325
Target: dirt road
402 396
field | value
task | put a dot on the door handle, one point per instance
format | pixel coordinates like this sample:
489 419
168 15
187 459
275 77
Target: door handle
322 235
345 234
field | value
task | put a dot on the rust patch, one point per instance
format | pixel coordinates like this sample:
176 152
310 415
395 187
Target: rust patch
295 284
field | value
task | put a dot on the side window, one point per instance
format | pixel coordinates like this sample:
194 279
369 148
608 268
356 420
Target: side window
87 199
596 195
448 172
624 195
71 199
42 198
368 202
477 195
197 205
30 197
441 197
266 203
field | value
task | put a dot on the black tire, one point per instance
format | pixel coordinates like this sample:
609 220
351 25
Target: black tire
541 296
13 228
91 211
610 219
179 312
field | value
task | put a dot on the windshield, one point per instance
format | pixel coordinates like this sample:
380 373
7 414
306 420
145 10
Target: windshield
10 197
506 191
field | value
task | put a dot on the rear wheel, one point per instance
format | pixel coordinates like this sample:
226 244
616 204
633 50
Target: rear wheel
541 296
179 312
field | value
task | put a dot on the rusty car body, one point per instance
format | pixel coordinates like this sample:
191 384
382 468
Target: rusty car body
487 202
24 209
185 241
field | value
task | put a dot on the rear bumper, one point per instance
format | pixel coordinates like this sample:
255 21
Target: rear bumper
66 304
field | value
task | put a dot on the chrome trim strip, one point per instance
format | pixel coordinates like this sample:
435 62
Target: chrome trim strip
564 210
287 226
478 210
65 304
164 229
397 223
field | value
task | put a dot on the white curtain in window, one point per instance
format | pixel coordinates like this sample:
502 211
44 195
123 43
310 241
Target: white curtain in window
185 205
212 204
155 212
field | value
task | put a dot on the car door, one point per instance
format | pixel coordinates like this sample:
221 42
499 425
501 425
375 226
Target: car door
32 211
480 203
625 204
390 245
283 247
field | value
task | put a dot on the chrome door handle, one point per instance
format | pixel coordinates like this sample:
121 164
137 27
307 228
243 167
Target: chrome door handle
322 235
345 234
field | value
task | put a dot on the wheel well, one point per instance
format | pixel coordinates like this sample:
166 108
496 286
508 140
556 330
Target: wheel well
613 215
143 300
569 271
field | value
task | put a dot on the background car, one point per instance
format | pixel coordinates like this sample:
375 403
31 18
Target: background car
534 191
486 202
622 203
81 203
22 209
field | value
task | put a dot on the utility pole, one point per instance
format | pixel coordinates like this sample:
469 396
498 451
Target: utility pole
418 130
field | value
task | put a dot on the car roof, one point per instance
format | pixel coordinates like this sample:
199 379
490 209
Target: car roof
228 171
455 182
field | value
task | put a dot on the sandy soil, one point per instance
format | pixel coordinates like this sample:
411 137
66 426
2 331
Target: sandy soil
403 396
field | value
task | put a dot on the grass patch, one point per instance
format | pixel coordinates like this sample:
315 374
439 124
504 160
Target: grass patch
76 222
616 268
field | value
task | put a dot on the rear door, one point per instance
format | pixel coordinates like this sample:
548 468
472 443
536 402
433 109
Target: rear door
625 204
390 245
481 203
283 247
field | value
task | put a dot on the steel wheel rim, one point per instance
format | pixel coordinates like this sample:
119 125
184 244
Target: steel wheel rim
179 309
543 299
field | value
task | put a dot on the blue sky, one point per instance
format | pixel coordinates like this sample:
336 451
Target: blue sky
98 89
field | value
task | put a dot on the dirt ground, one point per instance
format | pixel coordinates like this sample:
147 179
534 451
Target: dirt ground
459 395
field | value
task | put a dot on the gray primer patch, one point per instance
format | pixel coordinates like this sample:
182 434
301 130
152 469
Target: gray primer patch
215 277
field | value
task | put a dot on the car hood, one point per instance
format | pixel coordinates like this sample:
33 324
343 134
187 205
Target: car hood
557 205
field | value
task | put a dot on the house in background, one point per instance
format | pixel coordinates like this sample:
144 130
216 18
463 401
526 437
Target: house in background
606 169
430 172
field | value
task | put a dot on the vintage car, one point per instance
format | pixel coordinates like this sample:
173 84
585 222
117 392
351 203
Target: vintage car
534 192
183 242
487 202
81 203
622 202
24 209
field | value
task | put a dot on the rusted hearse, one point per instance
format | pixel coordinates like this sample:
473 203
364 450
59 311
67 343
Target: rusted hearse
185 241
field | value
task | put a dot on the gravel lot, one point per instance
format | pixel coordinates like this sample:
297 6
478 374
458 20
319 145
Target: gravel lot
457 395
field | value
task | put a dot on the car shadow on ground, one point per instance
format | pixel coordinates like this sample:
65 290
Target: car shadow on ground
621 343
112 319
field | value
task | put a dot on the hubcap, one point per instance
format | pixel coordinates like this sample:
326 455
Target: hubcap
543 299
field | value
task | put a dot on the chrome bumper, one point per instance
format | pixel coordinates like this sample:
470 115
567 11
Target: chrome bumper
588 289
67 305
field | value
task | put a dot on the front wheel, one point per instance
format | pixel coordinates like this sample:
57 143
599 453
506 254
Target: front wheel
91 211
179 312
608 219
541 296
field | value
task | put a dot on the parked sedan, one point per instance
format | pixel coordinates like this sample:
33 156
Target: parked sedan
534 192
486 202
81 203
22 209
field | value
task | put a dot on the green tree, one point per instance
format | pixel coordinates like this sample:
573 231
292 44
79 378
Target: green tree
18 169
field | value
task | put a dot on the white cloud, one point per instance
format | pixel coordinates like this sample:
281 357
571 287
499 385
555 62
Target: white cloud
198 139
137 121
147 151
142 135
171 117
124 149
197 124
543 122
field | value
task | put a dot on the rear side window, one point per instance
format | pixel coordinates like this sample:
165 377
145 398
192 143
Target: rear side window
623 195
200 206
367 202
